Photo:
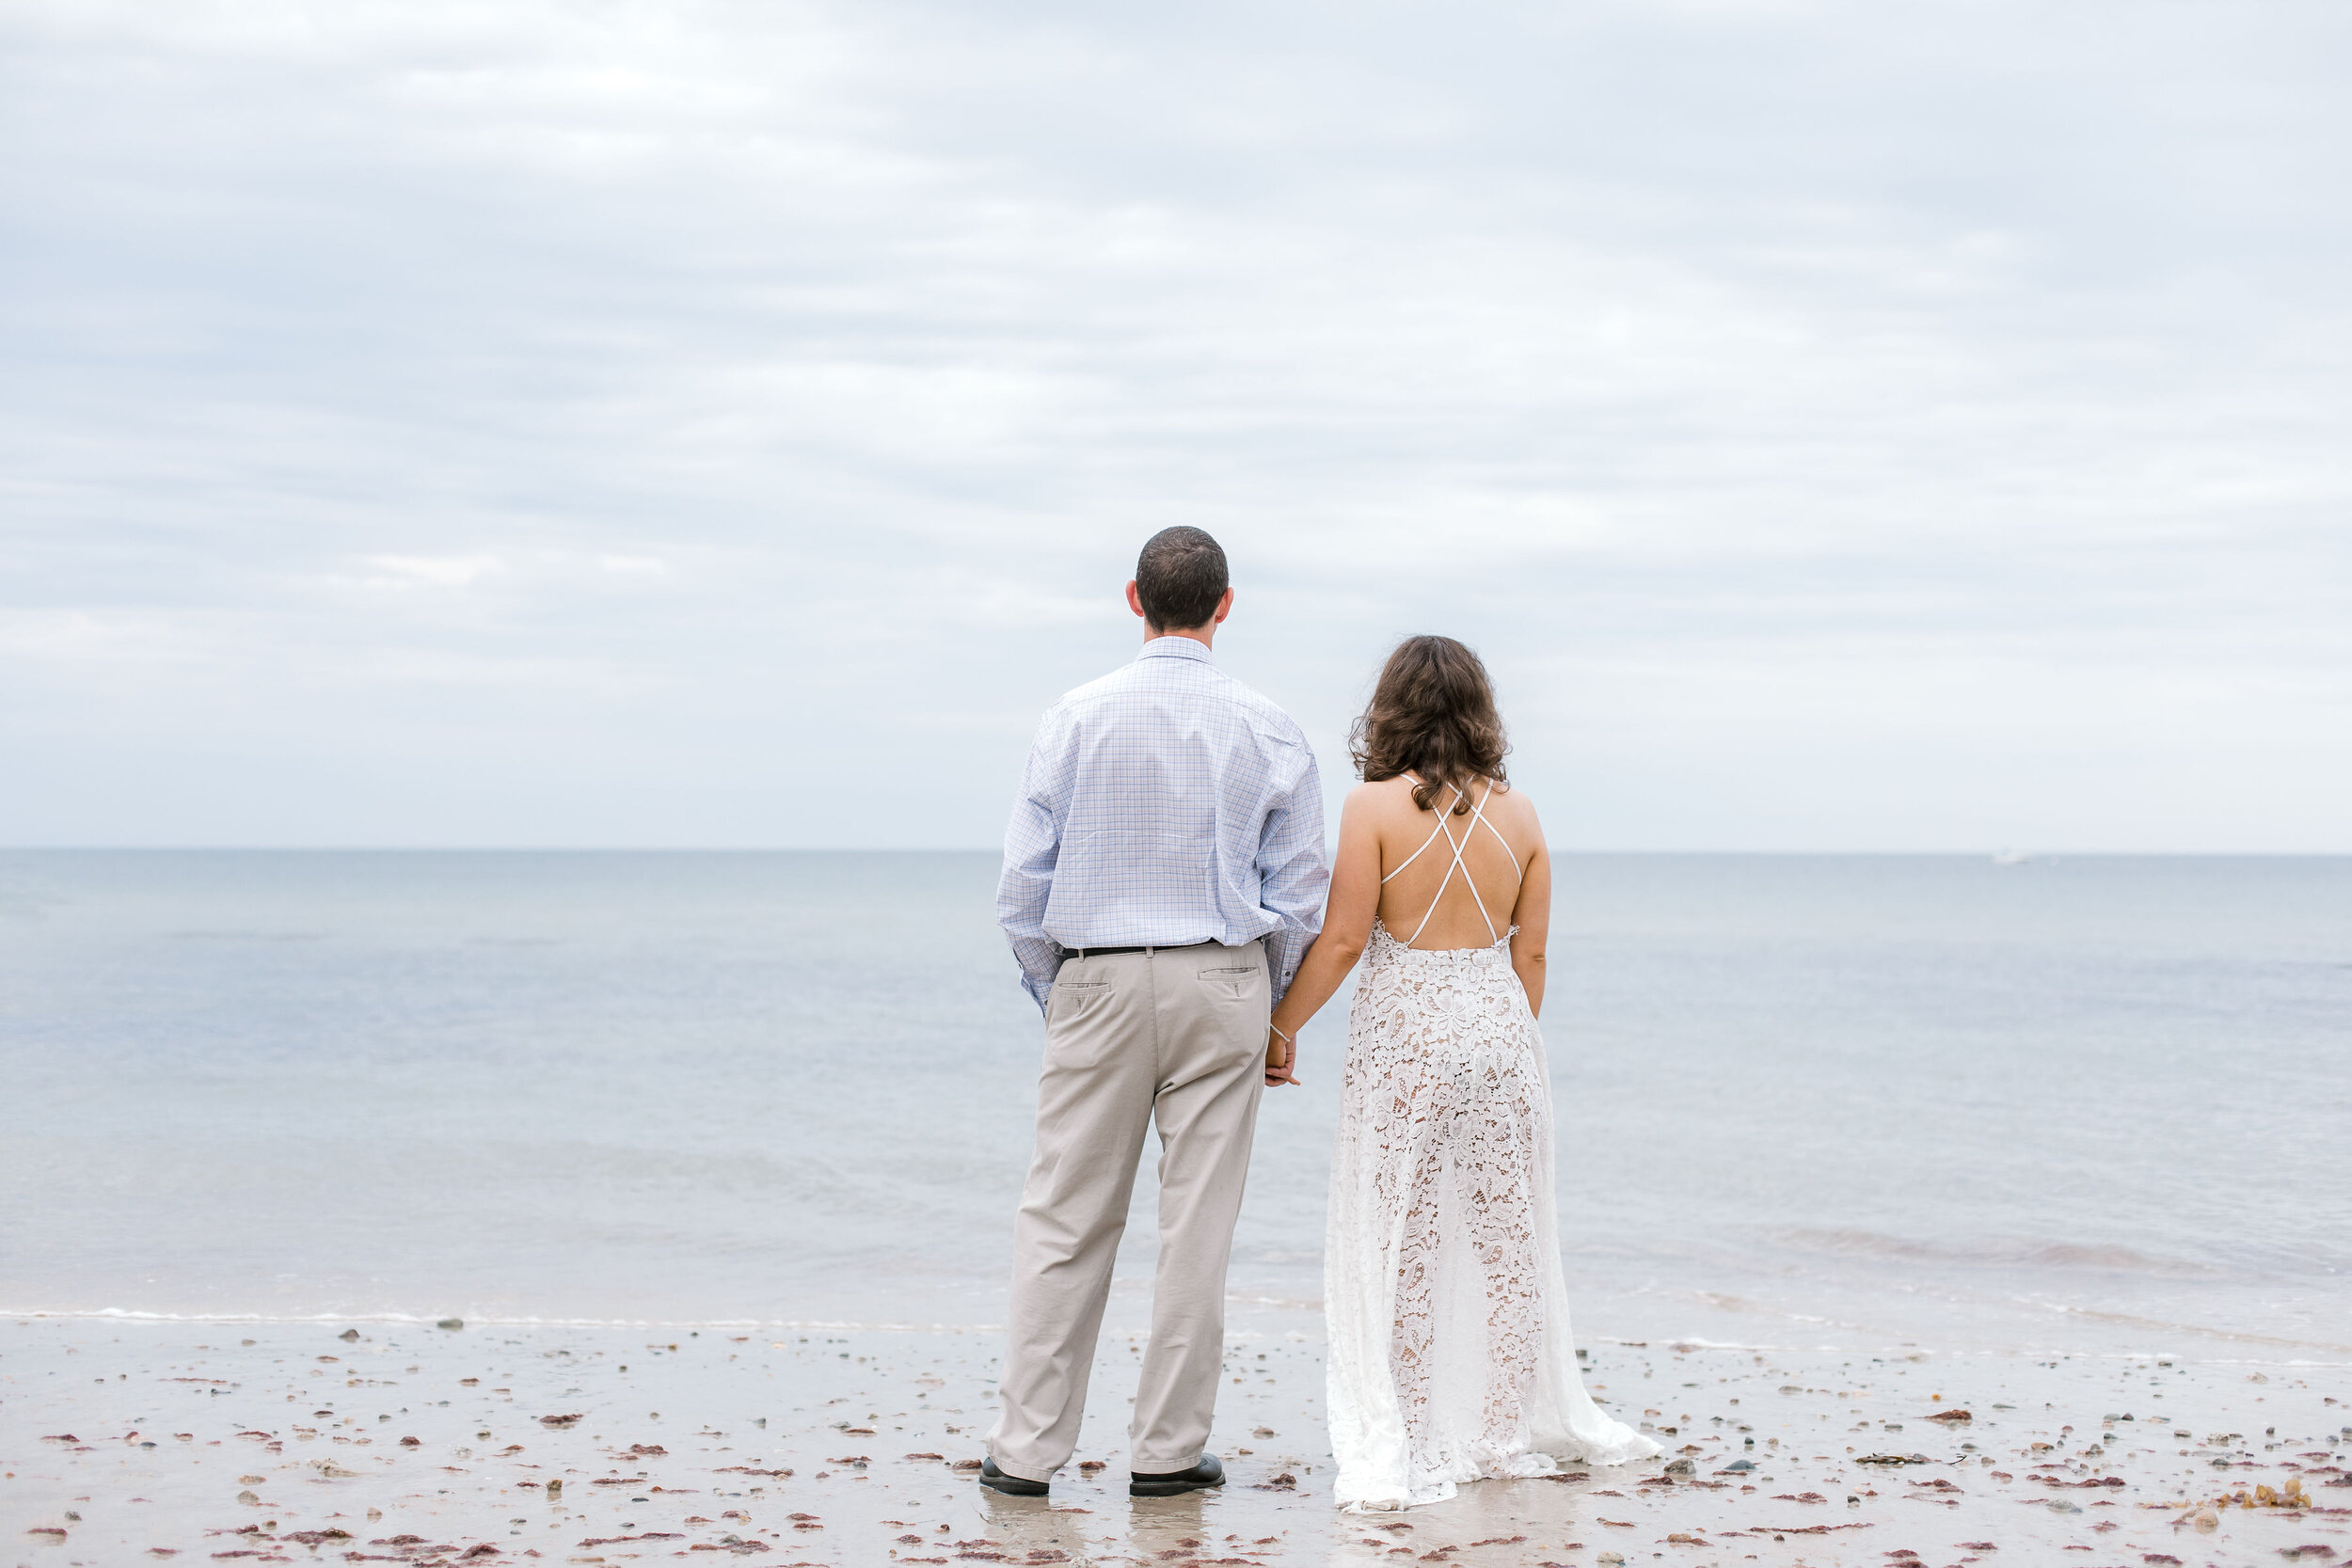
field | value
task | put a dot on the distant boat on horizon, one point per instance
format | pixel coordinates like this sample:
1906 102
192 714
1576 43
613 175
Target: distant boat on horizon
2010 857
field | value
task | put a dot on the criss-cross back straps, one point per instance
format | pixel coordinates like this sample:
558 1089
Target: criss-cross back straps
1478 815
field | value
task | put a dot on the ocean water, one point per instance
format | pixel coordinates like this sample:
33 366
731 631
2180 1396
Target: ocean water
2096 1105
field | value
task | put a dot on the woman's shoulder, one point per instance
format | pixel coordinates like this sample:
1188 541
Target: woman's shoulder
1382 797
1379 807
1510 806
1511 797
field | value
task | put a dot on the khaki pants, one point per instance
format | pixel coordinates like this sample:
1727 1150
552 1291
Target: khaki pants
1176 1036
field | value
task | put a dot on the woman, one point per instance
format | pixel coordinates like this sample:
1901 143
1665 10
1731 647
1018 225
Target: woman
1450 1355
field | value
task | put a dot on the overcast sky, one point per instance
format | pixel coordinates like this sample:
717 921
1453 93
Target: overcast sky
1840 427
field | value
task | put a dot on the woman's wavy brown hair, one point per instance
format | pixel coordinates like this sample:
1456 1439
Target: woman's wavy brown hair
1433 716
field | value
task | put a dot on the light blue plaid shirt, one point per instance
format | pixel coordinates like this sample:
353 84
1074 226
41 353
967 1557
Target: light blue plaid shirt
1165 804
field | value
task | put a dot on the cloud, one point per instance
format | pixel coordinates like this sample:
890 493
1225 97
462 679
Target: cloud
428 571
1801 394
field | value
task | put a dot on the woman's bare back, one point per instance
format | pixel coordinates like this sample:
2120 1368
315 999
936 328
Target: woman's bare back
1475 901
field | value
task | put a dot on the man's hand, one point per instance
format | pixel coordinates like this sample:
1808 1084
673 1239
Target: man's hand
1282 1059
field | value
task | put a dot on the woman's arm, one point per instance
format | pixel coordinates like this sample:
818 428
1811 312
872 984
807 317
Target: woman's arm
1346 928
1534 919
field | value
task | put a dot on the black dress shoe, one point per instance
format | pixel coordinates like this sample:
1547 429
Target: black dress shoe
1012 1487
1199 1478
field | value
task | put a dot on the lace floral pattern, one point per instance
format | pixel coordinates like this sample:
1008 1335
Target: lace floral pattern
1451 1359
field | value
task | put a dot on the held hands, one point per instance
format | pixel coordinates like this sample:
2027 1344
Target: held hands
1282 1059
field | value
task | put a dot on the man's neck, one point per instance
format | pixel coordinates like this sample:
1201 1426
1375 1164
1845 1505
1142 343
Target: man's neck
1205 636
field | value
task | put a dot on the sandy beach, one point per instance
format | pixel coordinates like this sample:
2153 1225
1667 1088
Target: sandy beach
128 1441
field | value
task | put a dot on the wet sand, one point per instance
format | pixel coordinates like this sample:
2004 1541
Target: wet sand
141 1441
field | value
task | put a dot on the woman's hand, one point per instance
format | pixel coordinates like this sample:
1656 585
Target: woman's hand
1282 1059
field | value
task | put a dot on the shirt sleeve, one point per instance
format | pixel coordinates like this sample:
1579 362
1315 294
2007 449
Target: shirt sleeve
1032 844
1291 873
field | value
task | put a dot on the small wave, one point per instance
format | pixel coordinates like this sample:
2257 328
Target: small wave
2130 1320
409 1320
245 935
1685 1343
1725 1302
1999 1252
1910 1340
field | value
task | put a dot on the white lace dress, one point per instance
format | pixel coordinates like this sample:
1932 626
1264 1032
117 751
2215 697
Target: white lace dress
1450 1354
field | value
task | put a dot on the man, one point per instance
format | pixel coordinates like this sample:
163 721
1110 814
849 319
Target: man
1163 875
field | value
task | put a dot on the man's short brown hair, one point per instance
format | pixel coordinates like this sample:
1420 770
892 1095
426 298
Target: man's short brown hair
1180 579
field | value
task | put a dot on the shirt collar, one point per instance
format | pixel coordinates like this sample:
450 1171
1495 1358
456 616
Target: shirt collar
1176 647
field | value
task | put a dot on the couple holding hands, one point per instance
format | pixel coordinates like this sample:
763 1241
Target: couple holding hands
1165 890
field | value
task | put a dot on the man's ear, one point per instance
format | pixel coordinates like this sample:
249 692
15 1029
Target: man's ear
1134 602
1224 606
